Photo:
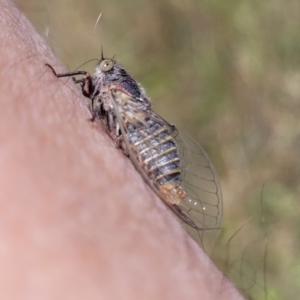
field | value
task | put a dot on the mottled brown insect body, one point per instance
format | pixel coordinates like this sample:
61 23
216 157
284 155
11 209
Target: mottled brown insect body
173 165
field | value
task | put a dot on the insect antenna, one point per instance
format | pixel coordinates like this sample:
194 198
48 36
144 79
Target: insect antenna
102 55
87 62
94 29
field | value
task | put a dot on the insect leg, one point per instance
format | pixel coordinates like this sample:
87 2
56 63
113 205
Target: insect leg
85 82
113 128
68 74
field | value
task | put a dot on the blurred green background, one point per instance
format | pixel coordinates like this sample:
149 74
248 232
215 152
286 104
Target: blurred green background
228 74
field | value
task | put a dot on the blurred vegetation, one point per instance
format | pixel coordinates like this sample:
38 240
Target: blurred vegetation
227 73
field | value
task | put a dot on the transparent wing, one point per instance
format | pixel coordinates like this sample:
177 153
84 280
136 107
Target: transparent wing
203 203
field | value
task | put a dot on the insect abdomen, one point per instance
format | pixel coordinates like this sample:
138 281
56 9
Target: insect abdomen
156 151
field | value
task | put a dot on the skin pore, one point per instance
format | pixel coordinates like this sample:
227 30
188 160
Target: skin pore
76 219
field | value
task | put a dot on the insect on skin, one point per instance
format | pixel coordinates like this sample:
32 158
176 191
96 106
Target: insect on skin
172 164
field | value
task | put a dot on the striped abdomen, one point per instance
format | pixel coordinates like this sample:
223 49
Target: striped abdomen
156 151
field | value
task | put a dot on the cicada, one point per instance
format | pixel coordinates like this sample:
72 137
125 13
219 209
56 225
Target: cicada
172 164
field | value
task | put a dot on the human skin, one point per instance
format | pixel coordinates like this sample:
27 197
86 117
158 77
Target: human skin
76 219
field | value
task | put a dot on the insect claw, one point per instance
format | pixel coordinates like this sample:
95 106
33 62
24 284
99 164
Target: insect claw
94 115
51 68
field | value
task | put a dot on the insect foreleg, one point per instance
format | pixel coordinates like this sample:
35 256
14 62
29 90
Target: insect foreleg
85 82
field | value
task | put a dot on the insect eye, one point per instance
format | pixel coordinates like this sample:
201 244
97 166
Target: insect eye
106 65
